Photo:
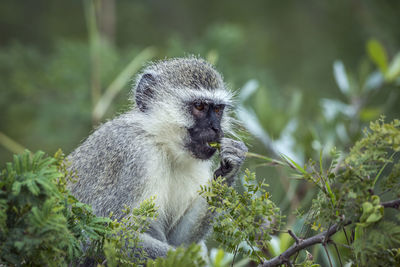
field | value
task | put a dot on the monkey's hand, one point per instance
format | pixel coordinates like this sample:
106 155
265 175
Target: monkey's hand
232 155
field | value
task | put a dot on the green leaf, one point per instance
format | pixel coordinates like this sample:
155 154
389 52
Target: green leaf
367 208
377 54
16 188
394 69
33 188
219 257
293 164
332 196
372 212
368 114
374 217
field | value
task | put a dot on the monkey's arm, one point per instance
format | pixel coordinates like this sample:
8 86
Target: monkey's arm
193 226
153 247
196 222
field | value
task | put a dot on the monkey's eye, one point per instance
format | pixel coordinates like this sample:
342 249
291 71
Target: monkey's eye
199 106
218 108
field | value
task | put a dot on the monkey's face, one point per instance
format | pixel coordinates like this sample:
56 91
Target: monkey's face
206 129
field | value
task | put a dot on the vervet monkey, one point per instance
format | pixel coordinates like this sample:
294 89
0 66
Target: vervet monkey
162 148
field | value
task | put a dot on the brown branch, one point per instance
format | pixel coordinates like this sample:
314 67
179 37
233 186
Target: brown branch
395 204
320 238
317 239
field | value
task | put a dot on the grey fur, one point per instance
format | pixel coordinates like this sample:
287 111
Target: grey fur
185 73
233 153
142 153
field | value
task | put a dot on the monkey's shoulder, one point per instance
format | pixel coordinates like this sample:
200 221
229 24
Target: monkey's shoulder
107 150
119 135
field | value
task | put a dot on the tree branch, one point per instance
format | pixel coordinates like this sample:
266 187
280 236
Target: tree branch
395 204
320 238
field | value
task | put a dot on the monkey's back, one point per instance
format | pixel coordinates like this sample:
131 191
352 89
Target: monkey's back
105 165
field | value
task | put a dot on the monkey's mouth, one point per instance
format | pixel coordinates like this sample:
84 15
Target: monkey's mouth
209 150
210 145
201 142
202 150
214 145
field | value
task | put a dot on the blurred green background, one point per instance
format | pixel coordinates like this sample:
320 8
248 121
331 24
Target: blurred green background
309 75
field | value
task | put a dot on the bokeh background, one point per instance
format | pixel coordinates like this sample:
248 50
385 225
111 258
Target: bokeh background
309 75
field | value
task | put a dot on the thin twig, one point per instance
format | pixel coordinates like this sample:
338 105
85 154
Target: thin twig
295 257
290 232
234 255
345 234
338 254
327 253
353 235
345 246
288 262
249 243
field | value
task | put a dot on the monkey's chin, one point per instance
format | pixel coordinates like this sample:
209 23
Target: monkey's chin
201 151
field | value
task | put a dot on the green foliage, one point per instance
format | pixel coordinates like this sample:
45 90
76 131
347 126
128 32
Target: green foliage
370 161
351 190
372 212
180 257
221 258
375 245
122 246
245 221
40 223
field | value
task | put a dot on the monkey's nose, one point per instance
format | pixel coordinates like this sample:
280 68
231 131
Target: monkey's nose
217 130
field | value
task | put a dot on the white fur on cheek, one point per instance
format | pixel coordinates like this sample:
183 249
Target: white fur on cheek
167 126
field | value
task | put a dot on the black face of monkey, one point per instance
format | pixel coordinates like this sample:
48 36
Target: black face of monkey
206 129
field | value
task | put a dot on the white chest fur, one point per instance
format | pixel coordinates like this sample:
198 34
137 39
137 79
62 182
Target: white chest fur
176 187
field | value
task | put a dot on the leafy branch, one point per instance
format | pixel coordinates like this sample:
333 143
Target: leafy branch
321 238
349 193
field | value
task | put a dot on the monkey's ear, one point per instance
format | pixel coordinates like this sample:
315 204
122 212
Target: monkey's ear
145 91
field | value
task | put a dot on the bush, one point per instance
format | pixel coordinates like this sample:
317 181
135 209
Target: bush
42 224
